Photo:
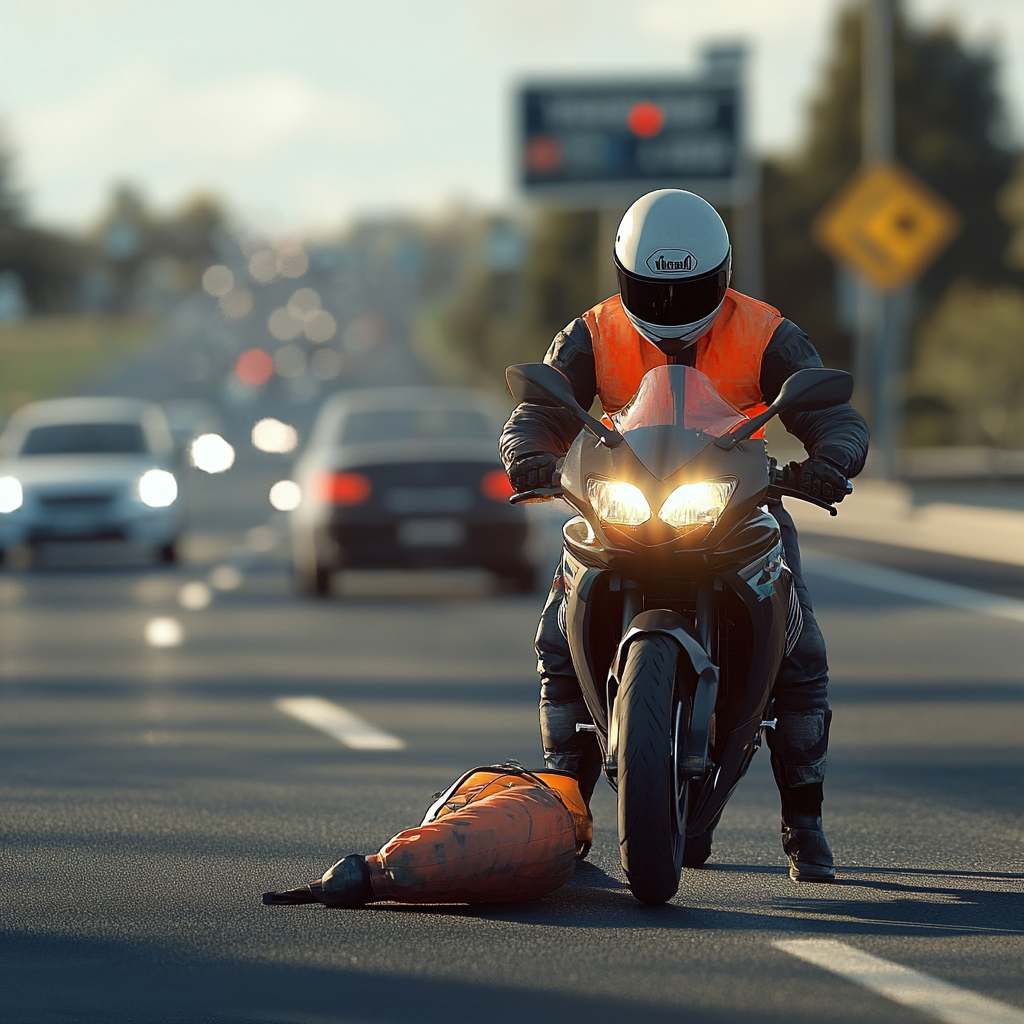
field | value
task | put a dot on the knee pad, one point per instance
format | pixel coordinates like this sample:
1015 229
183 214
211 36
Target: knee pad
799 745
557 689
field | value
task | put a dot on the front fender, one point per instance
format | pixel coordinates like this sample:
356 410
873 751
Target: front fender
662 622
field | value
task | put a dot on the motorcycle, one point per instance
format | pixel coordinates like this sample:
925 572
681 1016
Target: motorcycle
679 604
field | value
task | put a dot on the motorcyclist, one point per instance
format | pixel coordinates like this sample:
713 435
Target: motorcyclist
673 260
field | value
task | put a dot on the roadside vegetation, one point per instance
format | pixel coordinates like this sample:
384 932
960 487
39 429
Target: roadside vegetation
963 382
41 356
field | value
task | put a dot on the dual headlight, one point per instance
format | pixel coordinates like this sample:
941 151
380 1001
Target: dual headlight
688 507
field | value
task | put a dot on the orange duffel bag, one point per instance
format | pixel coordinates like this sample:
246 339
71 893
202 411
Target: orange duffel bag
498 834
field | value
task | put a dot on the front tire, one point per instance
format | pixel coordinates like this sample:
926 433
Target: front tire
650 846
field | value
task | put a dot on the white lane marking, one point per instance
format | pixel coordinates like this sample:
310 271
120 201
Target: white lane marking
902 985
339 723
225 577
195 596
920 588
164 632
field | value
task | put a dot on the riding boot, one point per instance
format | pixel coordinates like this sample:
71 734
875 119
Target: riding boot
562 708
799 745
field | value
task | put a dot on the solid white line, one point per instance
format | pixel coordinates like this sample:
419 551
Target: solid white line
920 588
339 723
902 985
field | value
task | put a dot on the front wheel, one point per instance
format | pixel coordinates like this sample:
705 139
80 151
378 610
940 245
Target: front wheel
650 843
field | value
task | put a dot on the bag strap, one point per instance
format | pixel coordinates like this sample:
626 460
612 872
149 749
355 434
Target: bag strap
510 767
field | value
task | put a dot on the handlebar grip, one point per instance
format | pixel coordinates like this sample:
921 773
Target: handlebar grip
537 494
778 491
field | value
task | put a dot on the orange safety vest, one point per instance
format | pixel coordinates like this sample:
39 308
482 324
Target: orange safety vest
729 354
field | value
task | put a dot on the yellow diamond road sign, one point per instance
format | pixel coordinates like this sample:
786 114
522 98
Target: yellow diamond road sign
886 224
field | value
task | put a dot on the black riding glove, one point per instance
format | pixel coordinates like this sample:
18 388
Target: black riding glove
820 479
532 470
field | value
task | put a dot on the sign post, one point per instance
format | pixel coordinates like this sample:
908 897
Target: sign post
888 227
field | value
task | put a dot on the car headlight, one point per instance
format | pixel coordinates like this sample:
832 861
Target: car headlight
694 505
617 502
11 494
158 488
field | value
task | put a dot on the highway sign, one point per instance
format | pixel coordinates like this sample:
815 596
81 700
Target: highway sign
584 139
886 224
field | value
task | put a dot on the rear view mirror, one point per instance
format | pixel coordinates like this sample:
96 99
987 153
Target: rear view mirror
807 390
814 388
540 384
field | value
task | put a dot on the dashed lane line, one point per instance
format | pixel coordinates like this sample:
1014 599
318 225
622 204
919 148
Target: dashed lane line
339 723
921 992
919 588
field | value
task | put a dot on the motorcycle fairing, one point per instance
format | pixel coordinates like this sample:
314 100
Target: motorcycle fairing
762 573
586 459
590 597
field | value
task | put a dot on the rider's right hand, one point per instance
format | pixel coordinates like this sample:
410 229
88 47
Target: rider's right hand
532 470
820 479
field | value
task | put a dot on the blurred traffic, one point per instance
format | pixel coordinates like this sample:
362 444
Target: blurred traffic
262 587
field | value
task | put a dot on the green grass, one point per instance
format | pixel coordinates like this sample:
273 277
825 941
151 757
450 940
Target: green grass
45 355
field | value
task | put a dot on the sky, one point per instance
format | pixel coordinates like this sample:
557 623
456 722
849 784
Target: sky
305 114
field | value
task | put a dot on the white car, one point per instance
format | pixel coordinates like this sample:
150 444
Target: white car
89 468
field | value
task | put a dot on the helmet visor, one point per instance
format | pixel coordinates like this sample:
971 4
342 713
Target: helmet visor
673 302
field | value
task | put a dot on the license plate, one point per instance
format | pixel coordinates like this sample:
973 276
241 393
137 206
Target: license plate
431 533
427 500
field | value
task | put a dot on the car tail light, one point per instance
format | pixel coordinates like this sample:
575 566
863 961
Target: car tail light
343 488
495 485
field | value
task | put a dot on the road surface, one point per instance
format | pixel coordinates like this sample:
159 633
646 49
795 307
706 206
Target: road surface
152 793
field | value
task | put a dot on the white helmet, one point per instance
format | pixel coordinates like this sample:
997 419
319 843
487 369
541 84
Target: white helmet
673 259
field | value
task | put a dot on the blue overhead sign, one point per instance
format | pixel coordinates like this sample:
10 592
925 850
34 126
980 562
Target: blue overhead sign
583 137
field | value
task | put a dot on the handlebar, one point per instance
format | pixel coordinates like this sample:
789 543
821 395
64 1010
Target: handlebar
782 484
538 494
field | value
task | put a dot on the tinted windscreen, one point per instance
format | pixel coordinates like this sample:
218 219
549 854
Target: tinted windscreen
85 439
415 425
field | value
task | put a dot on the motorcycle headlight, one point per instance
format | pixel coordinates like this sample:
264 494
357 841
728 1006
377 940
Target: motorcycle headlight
158 488
617 502
11 494
694 505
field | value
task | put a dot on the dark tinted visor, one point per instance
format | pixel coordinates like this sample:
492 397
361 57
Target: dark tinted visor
673 303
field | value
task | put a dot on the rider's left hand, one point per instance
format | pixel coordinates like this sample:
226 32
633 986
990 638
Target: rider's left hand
820 479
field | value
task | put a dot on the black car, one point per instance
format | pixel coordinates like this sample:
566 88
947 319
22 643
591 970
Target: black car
404 478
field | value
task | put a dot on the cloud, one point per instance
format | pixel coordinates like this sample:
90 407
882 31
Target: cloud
141 117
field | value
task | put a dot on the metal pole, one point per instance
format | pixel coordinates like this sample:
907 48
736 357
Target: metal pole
607 282
878 136
748 271
882 323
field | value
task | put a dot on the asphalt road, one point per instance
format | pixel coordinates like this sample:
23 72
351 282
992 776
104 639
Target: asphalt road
150 794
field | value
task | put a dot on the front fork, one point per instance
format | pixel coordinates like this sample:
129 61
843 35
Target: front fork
693 735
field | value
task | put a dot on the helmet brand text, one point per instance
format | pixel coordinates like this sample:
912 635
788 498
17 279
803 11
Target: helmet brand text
672 261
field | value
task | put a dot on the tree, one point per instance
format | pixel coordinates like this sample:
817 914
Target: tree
968 382
506 311
950 131
189 236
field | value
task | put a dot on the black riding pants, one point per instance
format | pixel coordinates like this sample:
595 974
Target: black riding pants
798 743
